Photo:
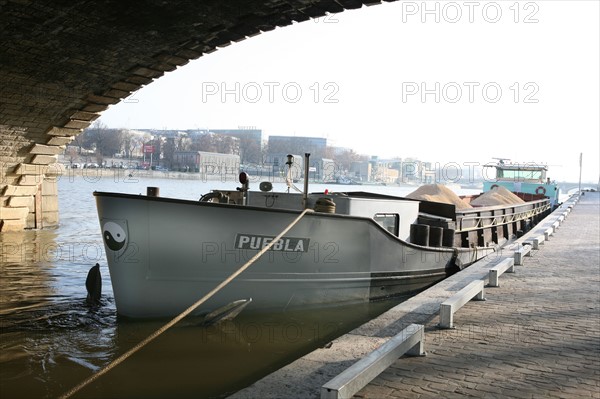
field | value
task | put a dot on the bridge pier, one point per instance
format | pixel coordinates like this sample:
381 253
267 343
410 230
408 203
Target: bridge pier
28 178
30 202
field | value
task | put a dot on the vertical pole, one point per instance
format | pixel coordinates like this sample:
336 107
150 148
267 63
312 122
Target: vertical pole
288 180
306 170
580 167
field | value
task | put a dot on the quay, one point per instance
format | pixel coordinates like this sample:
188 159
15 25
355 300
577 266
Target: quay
536 335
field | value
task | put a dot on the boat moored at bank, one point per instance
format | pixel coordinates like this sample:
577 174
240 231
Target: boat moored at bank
165 253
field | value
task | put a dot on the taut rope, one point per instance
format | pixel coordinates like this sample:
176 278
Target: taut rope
183 314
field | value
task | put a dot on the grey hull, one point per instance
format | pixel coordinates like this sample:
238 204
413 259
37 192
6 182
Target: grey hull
164 254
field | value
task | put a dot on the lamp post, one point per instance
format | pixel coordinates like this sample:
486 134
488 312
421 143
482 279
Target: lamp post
580 167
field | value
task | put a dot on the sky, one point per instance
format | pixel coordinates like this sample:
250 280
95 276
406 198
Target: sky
445 82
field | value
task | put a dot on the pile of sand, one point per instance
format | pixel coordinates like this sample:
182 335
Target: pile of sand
438 193
497 196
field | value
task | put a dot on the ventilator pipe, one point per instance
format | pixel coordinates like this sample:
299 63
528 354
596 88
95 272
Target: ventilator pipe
419 234
448 237
435 236
245 180
152 191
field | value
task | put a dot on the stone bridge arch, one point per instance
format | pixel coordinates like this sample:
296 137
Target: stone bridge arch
64 62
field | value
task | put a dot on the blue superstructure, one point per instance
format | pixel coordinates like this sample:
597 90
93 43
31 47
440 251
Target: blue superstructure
527 180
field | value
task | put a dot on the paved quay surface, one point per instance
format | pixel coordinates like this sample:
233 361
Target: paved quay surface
537 335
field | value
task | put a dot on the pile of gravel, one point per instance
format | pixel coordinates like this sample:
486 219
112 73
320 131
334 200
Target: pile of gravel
497 196
438 193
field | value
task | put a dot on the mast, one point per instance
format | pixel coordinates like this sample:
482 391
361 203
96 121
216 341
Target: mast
306 172
580 167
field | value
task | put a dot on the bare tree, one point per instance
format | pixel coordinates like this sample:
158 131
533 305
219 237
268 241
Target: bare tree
168 150
346 157
72 154
129 143
250 151
183 143
213 142
105 141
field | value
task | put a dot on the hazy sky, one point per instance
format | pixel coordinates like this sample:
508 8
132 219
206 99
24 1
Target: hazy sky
455 82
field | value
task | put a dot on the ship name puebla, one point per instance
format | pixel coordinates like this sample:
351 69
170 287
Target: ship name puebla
285 244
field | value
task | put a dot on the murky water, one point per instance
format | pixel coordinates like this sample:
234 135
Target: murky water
51 340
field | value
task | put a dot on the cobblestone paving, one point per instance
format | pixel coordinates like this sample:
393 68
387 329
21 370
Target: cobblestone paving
536 336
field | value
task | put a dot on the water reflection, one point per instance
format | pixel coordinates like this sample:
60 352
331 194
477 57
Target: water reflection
25 273
49 346
56 347
47 331
194 361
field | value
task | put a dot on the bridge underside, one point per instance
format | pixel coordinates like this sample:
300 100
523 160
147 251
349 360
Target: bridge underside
62 63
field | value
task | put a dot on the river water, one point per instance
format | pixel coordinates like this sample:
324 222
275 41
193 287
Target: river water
51 340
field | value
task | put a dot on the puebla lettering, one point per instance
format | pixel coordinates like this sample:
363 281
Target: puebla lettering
285 244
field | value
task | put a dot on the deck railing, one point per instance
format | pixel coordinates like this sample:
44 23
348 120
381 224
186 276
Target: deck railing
480 218
485 226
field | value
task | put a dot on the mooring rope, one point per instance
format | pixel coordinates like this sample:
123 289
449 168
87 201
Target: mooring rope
325 205
183 314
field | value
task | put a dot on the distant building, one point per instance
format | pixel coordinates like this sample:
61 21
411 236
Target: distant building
376 170
324 169
278 162
361 171
207 163
321 169
251 133
250 142
412 170
387 175
316 146
386 170
427 174
250 139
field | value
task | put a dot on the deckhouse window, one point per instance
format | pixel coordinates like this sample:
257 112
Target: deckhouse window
520 175
389 221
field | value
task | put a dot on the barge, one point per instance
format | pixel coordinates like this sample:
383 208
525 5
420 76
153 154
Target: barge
164 253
